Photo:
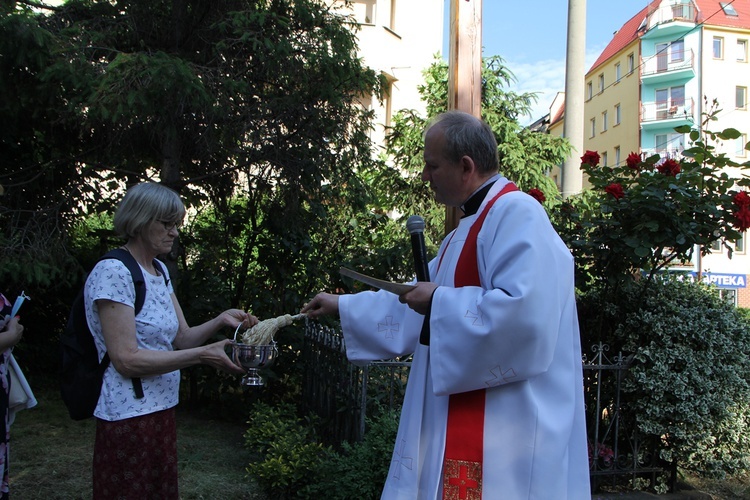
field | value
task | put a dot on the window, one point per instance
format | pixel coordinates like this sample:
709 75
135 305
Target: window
669 145
617 114
670 102
617 73
593 127
387 100
741 50
739 245
364 11
601 83
728 9
589 91
681 10
728 295
661 144
718 47
604 121
739 146
741 98
631 63
617 156
677 51
662 57
716 246
604 159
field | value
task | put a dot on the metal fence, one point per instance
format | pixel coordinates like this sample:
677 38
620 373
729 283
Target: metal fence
619 456
344 395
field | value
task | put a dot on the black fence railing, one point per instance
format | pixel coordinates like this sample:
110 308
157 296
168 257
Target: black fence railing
343 395
619 456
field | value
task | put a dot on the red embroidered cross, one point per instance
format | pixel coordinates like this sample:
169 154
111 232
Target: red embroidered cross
463 481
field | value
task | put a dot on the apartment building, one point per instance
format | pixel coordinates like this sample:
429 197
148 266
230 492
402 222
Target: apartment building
399 39
662 69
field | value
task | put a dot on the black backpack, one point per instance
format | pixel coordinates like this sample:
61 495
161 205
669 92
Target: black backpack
81 372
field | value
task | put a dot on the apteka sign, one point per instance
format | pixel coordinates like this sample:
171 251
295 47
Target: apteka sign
723 280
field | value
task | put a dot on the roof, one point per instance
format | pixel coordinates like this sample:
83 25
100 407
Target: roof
557 109
708 12
711 14
625 35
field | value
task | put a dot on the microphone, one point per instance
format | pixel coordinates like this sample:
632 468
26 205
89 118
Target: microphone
415 225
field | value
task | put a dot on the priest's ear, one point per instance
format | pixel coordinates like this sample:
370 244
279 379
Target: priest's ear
468 167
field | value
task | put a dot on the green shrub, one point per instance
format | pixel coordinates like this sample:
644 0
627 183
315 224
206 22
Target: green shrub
296 465
689 383
359 470
289 447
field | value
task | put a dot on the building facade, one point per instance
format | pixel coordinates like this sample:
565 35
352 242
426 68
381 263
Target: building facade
665 68
399 39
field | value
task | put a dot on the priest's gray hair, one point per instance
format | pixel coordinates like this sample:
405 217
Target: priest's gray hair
467 135
145 203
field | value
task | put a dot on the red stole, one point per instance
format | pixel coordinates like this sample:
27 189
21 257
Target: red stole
464 443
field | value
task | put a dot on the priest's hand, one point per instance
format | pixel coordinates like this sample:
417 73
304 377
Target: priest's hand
321 304
420 297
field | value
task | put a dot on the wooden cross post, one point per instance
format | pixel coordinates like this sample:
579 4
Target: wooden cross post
464 69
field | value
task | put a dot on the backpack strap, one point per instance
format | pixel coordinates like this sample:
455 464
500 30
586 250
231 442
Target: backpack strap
140 296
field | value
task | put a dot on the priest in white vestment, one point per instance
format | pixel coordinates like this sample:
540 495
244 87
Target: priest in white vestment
494 403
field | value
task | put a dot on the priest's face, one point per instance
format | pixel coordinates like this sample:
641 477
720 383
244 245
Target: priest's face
443 174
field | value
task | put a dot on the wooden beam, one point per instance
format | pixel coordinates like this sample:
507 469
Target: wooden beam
464 69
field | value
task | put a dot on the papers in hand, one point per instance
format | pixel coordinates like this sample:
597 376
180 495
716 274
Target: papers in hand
14 311
17 304
389 286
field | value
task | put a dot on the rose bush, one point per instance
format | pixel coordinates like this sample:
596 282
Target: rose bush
687 389
650 212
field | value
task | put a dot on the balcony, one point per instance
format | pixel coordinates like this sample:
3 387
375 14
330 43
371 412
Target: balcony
667 114
669 20
665 67
664 153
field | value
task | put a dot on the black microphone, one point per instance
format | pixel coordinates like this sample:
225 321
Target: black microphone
415 225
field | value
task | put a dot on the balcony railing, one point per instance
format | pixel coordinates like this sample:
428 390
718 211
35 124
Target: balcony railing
670 64
671 13
674 110
665 153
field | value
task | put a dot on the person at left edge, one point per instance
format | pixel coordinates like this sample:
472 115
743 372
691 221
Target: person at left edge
135 451
10 334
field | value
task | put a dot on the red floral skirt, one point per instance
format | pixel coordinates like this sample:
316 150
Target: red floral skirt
136 458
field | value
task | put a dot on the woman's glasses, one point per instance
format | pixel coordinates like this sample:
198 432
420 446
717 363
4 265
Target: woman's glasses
169 225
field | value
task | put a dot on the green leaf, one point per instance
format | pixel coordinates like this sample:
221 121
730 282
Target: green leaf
643 251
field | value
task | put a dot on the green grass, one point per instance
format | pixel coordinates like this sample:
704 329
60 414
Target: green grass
50 455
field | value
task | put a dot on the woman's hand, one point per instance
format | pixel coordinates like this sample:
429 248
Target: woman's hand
11 334
234 317
216 355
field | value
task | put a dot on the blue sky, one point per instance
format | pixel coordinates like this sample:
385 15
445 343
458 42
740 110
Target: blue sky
531 37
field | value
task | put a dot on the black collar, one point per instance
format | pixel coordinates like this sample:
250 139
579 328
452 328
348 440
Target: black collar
475 201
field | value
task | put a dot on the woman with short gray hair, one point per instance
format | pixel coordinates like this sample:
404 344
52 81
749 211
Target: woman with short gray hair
135 451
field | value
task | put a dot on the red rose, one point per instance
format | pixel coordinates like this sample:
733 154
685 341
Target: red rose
743 218
742 199
669 167
590 158
537 195
633 161
615 190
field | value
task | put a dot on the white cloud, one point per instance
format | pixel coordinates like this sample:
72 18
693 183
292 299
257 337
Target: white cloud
545 78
